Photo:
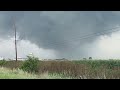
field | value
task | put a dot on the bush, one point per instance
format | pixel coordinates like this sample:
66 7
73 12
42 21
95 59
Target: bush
30 65
3 62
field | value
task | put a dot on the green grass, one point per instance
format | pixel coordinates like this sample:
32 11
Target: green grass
6 73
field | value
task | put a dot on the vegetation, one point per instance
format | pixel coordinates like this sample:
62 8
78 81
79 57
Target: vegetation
6 73
3 62
85 69
30 65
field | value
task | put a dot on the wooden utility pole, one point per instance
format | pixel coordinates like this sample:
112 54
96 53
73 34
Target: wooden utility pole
15 39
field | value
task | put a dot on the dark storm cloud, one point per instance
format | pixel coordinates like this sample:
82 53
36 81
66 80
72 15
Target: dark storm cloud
60 31
6 21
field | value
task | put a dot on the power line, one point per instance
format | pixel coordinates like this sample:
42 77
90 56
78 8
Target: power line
88 35
100 33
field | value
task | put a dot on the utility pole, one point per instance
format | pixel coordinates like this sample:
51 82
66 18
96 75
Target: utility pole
15 39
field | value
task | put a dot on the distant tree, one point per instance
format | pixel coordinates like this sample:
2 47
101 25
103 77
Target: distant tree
90 57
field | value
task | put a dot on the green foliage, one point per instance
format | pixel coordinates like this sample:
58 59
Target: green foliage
30 65
3 62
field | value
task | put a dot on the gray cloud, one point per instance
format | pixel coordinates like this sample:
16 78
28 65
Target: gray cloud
59 30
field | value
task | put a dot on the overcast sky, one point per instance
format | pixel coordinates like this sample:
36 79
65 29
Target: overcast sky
57 34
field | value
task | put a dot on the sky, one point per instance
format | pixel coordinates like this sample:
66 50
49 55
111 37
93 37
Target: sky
59 34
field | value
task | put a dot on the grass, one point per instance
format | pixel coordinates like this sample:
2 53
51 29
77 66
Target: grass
85 69
6 73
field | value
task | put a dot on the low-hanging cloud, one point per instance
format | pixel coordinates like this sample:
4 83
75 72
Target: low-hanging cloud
59 30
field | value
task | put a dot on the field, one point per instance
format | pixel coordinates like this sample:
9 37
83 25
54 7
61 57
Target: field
6 73
82 69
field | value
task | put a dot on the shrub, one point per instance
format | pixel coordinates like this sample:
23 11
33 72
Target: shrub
30 65
3 62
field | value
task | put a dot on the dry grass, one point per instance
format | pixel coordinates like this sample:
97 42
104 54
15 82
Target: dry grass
78 69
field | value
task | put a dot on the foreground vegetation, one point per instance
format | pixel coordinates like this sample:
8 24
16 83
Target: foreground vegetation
6 73
85 69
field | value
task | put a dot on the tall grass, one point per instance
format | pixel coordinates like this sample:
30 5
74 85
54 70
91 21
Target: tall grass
89 69
6 73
